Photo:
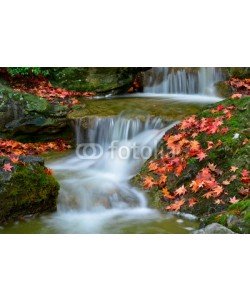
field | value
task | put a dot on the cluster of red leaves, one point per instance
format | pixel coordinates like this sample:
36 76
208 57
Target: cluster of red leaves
137 85
183 146
14 149
41 87
240 86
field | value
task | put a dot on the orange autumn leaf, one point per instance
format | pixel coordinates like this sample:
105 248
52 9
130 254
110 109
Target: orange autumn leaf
212 167
167 194
152 166
48 171
210 145
233 168
162 179
219 201
192 202
148 182
236 96
218 190
181 190
194 145
176 205
196 185
179 169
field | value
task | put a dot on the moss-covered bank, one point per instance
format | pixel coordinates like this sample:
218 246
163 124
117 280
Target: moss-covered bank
233 150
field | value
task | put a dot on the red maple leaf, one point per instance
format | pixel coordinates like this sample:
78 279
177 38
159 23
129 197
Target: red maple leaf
167 194
148 182
7 167
192 202
218 190
176 205
201 155
233 200
181 190
162 179
152 166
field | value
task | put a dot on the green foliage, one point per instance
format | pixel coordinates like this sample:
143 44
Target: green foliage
24 71
238 72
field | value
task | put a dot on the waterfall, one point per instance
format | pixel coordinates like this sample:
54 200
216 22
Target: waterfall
95 190
182 80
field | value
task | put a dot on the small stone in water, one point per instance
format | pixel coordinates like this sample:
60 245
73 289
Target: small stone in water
179 221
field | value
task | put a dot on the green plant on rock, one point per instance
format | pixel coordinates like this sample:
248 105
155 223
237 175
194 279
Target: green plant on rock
25 71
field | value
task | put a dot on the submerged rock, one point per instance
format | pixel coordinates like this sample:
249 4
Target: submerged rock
214 228
22 114
26 189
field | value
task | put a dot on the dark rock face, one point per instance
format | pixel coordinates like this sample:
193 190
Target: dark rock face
24 114
26 189
99 80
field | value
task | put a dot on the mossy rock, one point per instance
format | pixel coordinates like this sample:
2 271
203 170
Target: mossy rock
236 217
27 189
99 80
223 89
23 114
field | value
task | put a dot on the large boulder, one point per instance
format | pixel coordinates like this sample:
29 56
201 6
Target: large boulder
22 113
26 189
99 80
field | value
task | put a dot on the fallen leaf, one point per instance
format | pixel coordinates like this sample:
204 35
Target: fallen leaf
181 191
233 169
233 200
7 167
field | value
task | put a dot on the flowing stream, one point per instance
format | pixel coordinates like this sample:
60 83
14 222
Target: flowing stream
96 195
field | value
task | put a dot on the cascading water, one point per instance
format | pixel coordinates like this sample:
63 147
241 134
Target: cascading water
182 80
96 191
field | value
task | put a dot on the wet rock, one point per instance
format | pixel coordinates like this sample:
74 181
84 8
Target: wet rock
223 89
26 189
214 228
22 114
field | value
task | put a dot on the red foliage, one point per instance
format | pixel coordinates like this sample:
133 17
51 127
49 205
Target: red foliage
14 149
40 86
181 146
240 86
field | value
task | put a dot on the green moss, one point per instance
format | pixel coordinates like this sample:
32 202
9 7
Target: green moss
134 107
99 80
28 190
